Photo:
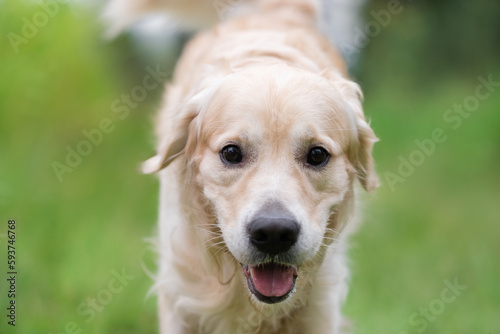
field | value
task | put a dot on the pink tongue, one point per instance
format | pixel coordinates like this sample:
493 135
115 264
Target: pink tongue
273 280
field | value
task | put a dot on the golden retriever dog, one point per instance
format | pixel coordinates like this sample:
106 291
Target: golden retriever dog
261 141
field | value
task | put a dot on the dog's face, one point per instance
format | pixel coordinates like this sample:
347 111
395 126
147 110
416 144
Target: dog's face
276 154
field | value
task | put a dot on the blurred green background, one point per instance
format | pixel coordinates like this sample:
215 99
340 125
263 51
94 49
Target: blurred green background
436 225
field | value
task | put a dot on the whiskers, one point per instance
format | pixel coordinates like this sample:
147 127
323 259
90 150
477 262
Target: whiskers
215 241
332 240
215 247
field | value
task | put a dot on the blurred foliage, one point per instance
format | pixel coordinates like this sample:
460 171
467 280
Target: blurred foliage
440 223
432 39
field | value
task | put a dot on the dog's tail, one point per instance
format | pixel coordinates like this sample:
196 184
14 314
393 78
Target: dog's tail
193 14
339 20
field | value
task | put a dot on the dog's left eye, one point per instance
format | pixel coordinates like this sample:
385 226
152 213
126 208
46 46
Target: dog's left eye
317 157
231 154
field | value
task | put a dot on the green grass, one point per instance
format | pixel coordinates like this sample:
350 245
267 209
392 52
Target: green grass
441 223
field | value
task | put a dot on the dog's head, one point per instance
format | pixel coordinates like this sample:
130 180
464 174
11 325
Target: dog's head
276 151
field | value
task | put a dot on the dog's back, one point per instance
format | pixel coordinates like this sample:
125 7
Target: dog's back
338 20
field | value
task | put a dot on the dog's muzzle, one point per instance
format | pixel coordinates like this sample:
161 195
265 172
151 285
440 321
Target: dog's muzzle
272 233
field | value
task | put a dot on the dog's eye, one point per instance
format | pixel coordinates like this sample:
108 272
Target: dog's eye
317 157
231 154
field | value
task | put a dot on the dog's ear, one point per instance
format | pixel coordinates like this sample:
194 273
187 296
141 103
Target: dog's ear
363 159
179 130
173 144
174 136
360 153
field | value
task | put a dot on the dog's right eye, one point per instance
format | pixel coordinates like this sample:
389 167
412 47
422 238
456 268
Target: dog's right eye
231 155
317 157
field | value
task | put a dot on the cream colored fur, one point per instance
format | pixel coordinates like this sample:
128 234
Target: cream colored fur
268 81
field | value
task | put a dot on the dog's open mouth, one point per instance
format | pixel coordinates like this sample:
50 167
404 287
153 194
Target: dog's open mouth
271 282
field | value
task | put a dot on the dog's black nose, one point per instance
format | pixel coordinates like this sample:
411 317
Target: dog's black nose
273 231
